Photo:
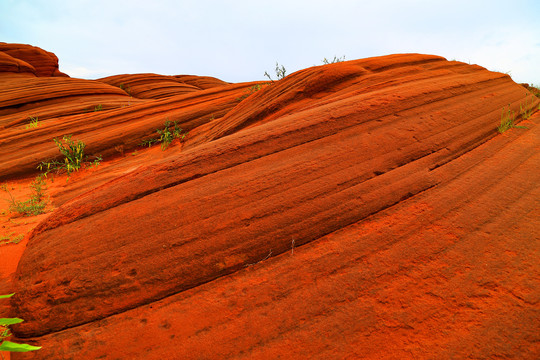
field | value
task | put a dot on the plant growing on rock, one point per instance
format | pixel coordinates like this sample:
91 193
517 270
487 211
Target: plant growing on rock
5 333
507 120
523 111
336 59
74 157
127 89
280 72
35 205
170 132
34 123
253 89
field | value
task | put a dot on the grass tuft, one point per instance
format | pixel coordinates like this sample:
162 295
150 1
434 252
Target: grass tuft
74 157
507 121
336 59
35 205
526 110
170 132
253 89
34 123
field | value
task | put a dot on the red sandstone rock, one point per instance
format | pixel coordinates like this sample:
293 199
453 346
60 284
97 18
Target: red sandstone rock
9 64
67 106
365 209
149 86
202 82
44 63
154 86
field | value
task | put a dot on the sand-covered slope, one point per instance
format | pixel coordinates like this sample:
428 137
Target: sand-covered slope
363 209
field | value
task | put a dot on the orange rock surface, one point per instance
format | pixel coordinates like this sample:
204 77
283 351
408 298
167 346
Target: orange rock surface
362 209
28 59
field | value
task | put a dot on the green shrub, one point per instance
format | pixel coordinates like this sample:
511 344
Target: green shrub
74 157
170 132
5 333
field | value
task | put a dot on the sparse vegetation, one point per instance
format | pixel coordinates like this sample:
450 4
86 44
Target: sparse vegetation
5 333
336 59
98 107
253 89
10 239
35 205
127 89
170 132
526 110
34 123
74 157
280 72
507 120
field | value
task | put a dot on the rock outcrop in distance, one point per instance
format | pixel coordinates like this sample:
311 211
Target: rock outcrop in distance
361 209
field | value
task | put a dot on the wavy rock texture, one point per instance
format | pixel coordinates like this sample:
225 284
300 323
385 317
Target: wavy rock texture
100 113
154 86
28 59
364 209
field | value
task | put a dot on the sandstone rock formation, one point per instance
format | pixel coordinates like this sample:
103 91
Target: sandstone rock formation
363 209
28 59
154 86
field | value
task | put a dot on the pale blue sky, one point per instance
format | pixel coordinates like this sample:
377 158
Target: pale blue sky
240 40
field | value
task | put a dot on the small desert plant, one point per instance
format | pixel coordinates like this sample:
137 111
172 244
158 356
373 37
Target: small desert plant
280 72
507 120
5 333
523 111
253 89
98 107
170 132
127 89
73 156
34 123
10 239
35 205
336 59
